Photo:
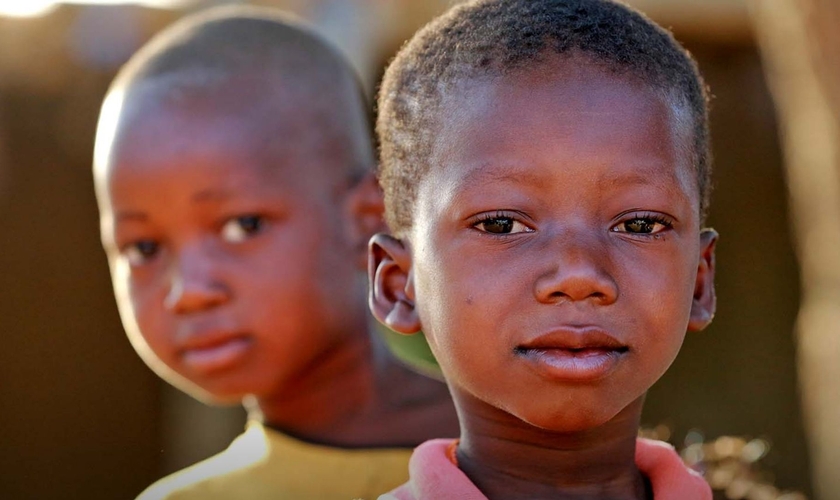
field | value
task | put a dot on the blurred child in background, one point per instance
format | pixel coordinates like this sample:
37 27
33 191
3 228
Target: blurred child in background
233 170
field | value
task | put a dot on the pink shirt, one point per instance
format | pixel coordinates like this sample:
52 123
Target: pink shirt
435 477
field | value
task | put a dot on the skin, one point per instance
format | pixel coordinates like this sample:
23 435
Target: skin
234 236
562 202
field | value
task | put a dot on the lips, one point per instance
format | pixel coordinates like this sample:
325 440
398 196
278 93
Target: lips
573 354
212 350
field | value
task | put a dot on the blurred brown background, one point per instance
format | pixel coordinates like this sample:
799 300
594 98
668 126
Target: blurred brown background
82 417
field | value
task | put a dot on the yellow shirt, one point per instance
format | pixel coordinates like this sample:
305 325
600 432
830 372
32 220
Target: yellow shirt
266 464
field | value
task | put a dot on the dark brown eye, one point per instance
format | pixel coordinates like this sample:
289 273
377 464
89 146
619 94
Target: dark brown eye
141 252
498 225
240 228
639 226
642 225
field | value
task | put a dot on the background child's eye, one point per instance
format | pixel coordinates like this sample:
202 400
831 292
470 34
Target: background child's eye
642 225
501 225
141 252
240 228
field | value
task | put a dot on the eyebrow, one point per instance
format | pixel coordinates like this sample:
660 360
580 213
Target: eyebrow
483 175
641 177
511 172
210 195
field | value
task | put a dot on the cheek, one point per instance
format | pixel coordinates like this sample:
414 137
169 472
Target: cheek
273 288
462 306
443 294
659 299
145 321
140 302
130 297
144 297
297 282
660 283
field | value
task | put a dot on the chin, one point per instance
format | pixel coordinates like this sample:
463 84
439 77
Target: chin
234 399
213 395
567 419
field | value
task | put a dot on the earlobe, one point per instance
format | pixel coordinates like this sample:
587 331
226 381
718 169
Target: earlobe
391 298
366 208
704 302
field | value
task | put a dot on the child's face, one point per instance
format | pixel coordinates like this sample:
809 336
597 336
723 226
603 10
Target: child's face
234 267
556 257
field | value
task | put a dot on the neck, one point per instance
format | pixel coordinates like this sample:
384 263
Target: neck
321 393
358 395
504 456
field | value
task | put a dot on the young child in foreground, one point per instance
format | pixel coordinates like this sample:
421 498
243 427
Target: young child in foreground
546 170
234 174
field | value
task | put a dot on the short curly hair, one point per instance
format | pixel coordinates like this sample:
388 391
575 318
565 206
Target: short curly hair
495 37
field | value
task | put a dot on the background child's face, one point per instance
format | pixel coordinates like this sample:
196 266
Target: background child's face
556 244
234 266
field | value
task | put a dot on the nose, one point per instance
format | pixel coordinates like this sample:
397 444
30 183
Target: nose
578 270
195 284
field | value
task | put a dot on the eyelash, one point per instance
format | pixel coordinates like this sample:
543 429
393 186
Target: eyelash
231 229
497 216
135 254
649 218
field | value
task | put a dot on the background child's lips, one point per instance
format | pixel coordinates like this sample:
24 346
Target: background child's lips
217 356
206 346
206 333
209 339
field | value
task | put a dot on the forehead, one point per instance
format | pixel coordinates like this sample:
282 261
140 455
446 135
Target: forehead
568 107
576 141
159 128
242 109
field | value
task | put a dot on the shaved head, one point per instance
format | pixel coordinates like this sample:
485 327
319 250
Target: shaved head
265 68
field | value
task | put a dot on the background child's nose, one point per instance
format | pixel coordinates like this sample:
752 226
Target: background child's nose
194 284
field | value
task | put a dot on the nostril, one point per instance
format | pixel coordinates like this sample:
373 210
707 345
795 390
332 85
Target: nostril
559 297
572 287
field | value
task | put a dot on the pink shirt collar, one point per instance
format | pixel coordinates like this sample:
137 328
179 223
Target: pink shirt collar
434 476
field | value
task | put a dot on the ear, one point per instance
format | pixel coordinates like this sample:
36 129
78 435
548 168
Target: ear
704 302
391 298
366 208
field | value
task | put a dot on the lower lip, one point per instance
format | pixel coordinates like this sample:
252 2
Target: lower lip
585 365
217 357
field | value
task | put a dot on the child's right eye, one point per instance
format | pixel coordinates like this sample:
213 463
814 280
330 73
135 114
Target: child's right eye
240 228
501 224
140 252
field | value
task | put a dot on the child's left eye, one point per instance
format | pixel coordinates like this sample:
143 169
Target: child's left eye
642 225
501 224
238 229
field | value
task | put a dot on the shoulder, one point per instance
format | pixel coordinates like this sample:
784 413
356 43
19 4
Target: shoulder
188 483
266 464
214 476
309 470
669 476
433 474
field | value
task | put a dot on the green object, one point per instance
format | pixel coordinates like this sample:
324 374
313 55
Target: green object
413 350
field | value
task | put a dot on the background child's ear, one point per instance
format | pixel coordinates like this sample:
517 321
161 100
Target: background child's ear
704 303
366 208
391 296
